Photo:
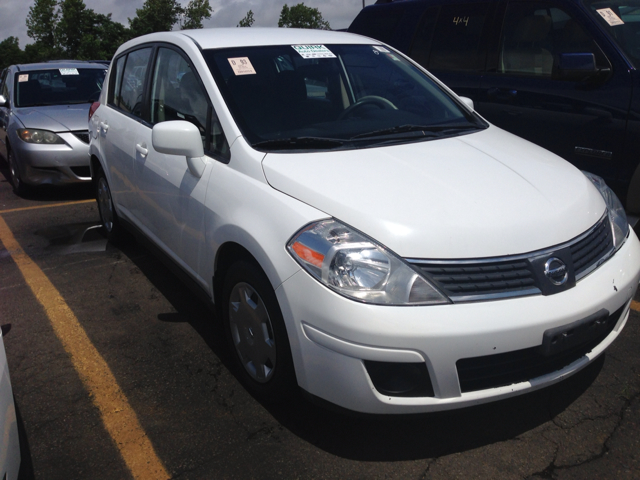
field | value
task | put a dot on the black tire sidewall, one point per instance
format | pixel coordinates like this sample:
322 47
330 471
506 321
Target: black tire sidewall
115 232
283 383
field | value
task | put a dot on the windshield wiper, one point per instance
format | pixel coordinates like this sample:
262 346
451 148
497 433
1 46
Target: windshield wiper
299 142
416 130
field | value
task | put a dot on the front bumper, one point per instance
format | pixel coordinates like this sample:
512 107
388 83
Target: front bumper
331 336
53 164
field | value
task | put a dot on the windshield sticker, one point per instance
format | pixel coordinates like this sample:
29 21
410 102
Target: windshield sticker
23 78
241 66
313 51
610 17
69 71
381 49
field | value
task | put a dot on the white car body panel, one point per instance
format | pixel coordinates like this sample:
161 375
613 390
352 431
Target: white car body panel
9 442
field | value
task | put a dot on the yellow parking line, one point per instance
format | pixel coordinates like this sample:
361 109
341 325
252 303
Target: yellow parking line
46 205
117 415
635 306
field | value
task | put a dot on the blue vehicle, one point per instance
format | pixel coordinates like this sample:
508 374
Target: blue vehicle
560 73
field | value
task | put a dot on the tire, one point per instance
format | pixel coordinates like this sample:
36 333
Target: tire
14 172
256 334
110 223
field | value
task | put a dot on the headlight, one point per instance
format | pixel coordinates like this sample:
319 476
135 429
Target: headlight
617 215
357 267
39 136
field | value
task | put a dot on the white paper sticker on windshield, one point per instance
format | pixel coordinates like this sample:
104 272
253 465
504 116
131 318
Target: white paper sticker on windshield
610 17
69 71
241 66
23 78
313 51
381 49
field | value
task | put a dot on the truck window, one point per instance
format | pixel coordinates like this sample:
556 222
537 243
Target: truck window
535 33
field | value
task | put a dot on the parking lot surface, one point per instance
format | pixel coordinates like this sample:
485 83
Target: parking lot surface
120 372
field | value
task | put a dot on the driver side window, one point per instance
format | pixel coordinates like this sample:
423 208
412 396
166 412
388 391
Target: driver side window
178 94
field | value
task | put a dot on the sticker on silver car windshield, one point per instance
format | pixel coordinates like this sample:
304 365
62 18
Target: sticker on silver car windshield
313 51
610 17
69 71
23 78
241 66
381 49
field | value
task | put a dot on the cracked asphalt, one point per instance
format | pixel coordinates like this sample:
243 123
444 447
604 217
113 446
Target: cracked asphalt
165 349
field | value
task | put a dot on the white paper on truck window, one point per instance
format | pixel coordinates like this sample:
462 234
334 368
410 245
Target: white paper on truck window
610 17
313 51
241 66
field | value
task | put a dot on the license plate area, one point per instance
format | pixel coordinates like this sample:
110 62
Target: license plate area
565 337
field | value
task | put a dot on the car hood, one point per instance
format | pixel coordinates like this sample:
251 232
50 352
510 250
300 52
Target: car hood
56 118
485 194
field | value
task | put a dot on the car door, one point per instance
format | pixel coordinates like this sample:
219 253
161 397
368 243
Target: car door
170 196
119 123
581 119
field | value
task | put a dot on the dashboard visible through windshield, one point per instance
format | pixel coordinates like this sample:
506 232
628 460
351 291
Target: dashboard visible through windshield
318 97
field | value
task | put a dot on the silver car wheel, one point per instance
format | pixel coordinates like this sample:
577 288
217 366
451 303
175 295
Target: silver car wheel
252 332
105 204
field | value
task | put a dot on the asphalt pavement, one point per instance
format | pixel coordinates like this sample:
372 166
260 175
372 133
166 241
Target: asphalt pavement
120 372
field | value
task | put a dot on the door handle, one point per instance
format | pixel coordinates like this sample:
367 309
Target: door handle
501 93
104 126
142 149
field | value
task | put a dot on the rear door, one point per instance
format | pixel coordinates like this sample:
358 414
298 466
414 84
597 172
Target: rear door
582 120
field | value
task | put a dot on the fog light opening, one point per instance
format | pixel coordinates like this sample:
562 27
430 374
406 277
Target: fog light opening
400 379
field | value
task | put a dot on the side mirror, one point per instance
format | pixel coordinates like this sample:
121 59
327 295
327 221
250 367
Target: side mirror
179 137
576 66
468 102
3 101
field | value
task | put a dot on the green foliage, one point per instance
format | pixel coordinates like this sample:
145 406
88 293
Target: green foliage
41 26
301 16
155 16
247 21
196 11
10 52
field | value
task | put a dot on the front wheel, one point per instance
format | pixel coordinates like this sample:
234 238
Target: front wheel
108 215
256 334
16 179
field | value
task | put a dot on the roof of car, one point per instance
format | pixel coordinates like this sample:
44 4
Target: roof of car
208 38
52 65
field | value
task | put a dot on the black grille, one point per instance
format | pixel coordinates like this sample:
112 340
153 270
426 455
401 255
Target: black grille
588 251
491 371
482 278
82 136
469 280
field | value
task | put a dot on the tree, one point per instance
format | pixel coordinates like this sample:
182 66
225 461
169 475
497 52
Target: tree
247 21
155 16
10 52
196 11
301 16
41 26
74 21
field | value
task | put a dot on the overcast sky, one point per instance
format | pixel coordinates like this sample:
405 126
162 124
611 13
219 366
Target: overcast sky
339 13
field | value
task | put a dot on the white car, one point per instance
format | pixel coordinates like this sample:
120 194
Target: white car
10 447
365 235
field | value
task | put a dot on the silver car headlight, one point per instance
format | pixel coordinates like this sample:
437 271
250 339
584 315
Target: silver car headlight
617 215
46 137
359 268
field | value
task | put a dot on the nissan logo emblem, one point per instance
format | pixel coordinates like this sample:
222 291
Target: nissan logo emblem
556 271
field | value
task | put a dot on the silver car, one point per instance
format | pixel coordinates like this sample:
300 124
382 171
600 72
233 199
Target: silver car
43 121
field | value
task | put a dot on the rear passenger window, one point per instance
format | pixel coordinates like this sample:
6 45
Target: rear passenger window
129 84
177 94
457 37
371 23
535 33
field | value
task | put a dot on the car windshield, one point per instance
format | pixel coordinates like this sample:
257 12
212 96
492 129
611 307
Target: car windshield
333 97
59 86
622 20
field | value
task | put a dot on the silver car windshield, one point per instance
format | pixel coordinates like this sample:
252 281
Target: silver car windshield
622 20
59 86
306 97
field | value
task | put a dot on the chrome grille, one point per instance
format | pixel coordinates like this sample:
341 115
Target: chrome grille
486 279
